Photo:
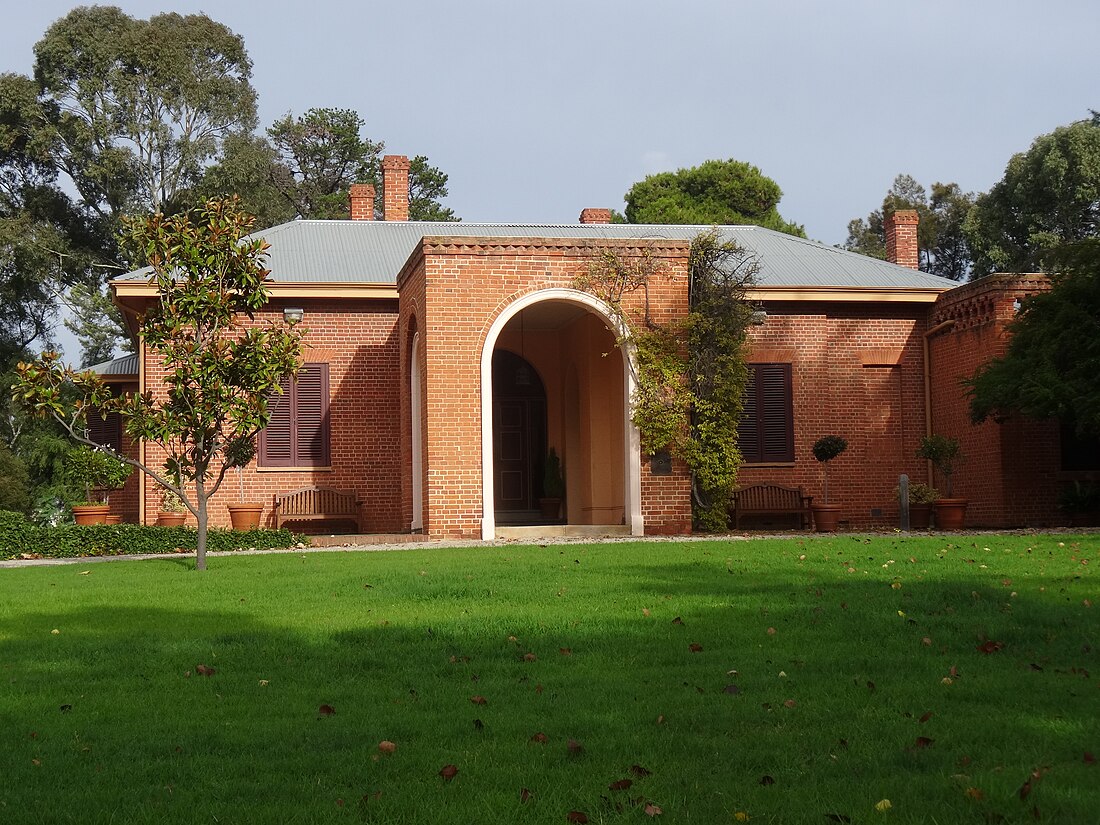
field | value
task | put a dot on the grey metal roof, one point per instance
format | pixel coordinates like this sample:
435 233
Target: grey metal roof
126 365
375 251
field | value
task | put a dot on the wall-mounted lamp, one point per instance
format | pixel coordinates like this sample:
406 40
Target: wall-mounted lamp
1016 305
294 315
758 318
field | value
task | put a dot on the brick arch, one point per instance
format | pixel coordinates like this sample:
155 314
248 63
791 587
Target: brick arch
632 458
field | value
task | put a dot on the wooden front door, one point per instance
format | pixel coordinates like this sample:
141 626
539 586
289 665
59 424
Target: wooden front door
519 437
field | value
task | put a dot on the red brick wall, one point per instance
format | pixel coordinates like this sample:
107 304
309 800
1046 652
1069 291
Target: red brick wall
358 339
1011 473
856 372
465 285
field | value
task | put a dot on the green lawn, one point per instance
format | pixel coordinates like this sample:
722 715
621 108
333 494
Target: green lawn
780 680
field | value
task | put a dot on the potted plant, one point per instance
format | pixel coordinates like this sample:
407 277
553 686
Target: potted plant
172 511
826 515
95 471
944 453
243 515
921 498
553 487
1081 503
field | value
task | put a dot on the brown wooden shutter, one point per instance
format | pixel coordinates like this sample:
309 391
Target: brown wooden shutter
298 433
777 425
276 442
766 432
106 430
311 448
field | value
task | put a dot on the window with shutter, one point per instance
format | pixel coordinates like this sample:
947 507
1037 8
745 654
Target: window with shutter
766 432
106 430
298 433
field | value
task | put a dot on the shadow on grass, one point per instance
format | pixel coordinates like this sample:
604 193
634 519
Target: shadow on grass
818 685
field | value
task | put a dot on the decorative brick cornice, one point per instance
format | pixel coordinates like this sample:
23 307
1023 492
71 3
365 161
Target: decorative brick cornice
986 300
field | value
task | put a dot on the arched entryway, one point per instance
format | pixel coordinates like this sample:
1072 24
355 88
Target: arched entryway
553 355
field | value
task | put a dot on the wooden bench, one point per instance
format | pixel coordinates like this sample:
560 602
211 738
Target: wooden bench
771 500
318 504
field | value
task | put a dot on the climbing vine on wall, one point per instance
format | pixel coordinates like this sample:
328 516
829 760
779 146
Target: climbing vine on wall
690 373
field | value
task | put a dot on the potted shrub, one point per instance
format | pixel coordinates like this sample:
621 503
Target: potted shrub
921 498
1081 503
243 515
553 487
172 511
826 515
95 471
944 453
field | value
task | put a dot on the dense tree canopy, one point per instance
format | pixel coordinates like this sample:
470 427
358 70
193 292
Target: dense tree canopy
1052 365
1049 195
723 192
944 250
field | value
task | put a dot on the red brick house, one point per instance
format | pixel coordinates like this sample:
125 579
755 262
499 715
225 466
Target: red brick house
443 360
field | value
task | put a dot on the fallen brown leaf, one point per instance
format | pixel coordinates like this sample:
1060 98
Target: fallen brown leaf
530 657
677 620
326 710
1089 758
565 651
577 817
524 794
767 780
790 703
645 611
575 747
621 785
386 746
540 737
203 670
695 647
732 689
639 771
975 793
925 717
652 810
448 772
923 742
990 646
479 700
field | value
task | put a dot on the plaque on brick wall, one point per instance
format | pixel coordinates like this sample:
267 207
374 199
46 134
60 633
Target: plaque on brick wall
660 464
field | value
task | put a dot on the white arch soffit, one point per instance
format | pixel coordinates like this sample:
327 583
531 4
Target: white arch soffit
633 452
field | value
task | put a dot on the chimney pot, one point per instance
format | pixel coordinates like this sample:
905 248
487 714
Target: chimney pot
901 238
361 201
592 215
395 188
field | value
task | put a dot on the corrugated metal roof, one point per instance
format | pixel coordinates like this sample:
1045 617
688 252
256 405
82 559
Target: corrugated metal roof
125 365
375 251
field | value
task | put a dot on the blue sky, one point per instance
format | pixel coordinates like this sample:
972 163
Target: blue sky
537 110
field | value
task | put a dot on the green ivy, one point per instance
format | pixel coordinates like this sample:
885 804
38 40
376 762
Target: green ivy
691 374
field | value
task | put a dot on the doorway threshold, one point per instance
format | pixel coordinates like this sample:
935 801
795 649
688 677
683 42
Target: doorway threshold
539 531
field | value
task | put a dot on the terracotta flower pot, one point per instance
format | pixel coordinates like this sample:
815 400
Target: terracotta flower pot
245 515
920 516
826 517
550 508
113 518
166 519
950 513
90 513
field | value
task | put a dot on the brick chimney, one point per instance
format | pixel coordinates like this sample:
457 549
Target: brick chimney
901 238
395 188
361 201
595 215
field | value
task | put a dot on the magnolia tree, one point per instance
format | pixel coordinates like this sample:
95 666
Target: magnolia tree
218 371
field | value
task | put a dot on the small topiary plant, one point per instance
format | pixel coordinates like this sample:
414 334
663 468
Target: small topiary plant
553 485
825 450
944 452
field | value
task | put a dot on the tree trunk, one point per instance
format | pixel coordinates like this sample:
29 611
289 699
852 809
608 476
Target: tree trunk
203 518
